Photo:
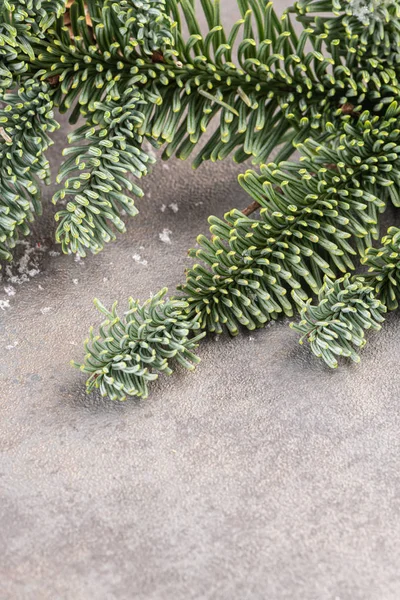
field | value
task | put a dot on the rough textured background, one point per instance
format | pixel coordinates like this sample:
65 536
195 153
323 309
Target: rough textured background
263 475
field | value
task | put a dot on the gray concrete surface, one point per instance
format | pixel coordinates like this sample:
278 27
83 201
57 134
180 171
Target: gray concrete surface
262 475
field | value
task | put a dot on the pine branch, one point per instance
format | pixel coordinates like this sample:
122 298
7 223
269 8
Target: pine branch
310 212
262 100
131 350
102 51
132 72
336 325
364 30
108 148
274 91
384 268
302 234
23 25
351 305
347 308
26 119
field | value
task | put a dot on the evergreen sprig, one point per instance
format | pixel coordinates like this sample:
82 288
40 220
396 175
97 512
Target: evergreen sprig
138 70
316 216
131 350
272 89
26 119
336 325
310 212
384 268
350 305
105 150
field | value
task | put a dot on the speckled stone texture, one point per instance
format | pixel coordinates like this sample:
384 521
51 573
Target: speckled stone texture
261 476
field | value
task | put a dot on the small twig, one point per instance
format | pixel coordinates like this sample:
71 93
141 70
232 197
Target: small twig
255 205
348 109
53 81
157 57
251 208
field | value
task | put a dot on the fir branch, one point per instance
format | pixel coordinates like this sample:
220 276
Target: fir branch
303 232
310 211
26 119
132 350
362 30
273 91
336 325
384 268
251 208
132 71
23 25
349 306
108 148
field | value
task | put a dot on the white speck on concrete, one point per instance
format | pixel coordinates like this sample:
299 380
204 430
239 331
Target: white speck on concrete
75 281
24 261
27 266
11 346
138 259
46 310
163 207
9 290
33 272
54 253
164 236
4 304
174 207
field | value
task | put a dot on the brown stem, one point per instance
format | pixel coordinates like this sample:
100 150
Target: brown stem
255 205
251 208
348 109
